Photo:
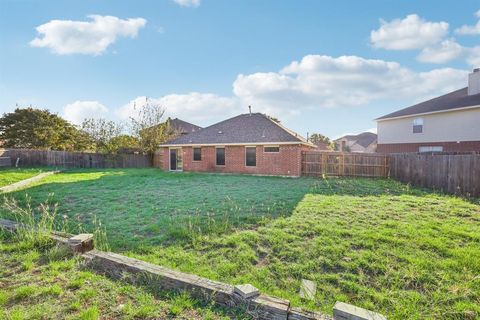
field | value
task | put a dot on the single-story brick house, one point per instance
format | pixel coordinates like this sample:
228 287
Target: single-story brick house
248 143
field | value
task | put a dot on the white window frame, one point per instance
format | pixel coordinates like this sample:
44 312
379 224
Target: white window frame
426 149
417 122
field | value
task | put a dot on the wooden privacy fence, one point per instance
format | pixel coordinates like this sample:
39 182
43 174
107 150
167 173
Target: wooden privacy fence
316 163
28 157
452 173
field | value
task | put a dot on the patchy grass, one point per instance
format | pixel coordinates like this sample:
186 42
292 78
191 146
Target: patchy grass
153 207
12 175
379 244
63 289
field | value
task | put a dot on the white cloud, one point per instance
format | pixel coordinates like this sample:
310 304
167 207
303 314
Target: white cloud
469 30
301 87
188 3
444 52
473 56
199 108
77 111
85 37
412 32
323 81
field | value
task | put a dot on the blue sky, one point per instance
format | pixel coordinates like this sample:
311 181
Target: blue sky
319 66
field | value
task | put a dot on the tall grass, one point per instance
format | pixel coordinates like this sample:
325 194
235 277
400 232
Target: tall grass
36 224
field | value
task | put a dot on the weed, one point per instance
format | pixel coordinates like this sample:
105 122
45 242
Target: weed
90 313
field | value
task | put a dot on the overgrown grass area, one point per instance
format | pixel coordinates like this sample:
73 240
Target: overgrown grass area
151 207
401 251
46 282
12 175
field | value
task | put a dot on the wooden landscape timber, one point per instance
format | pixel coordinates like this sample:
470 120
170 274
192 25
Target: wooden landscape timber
260 306
26 182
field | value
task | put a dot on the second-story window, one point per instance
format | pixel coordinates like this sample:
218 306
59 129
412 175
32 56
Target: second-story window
418 125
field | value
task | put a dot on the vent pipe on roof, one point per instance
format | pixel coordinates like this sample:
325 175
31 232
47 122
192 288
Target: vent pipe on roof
474 82
250 109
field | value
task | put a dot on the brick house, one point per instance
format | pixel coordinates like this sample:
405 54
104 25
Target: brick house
249 143
449 123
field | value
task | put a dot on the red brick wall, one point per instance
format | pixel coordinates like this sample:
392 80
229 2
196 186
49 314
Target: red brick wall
463 146
285 163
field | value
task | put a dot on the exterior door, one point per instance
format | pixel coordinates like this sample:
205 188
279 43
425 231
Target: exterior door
176 163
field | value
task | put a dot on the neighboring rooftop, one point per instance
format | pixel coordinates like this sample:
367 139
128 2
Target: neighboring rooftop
242 129
450 101
364 139
183 127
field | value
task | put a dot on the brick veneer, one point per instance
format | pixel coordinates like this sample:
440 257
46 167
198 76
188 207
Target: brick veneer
286 162
463 146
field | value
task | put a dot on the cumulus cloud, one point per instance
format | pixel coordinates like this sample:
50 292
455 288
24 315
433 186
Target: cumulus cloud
412 32
85 37
199 108
444 52
473 56
322 81
307 85
188 3
77 111
470 30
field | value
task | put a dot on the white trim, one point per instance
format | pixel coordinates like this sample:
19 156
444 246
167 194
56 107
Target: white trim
233 144
426 113
291 132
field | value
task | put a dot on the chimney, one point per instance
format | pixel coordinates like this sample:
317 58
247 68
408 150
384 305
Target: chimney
474 82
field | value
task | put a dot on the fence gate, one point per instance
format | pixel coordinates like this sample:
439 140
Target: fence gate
318 163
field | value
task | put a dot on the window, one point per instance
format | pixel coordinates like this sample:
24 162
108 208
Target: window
271 149
197 154
250 156
418 125
430 149
220 156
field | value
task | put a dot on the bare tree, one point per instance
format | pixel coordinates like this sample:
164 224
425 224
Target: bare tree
149 127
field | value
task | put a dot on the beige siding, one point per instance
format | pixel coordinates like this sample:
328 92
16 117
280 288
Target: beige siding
462 125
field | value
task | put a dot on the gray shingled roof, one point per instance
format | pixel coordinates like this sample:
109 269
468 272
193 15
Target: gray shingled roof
245 128
183 127
450 101
364 139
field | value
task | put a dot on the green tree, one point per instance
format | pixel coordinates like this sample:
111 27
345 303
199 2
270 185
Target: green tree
317 138
39 129
101 131
122 144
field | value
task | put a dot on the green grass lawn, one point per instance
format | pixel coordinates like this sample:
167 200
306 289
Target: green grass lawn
48 283
12 175
378 244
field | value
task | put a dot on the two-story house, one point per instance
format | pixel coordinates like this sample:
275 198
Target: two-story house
449 123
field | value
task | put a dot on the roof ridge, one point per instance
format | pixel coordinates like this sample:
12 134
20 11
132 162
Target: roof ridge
291 132
449 97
